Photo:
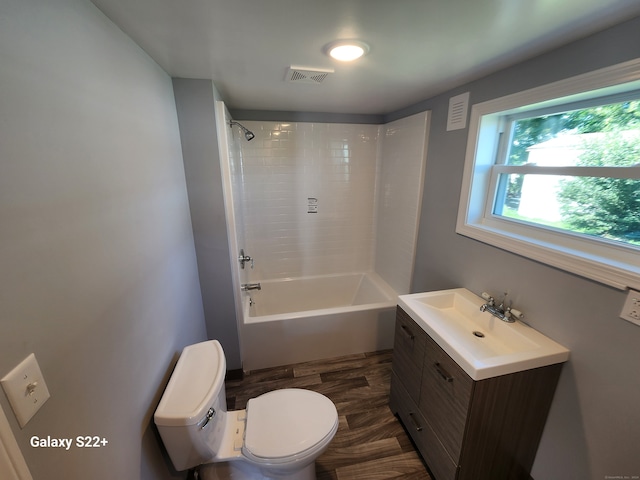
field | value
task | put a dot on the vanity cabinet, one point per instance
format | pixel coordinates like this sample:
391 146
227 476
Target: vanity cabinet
466 429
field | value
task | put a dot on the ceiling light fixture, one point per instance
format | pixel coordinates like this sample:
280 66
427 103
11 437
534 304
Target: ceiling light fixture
347 50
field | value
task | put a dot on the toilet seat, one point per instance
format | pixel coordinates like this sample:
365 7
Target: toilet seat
286 425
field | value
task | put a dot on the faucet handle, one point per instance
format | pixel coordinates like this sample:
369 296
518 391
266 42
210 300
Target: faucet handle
516 313
488 298
244 258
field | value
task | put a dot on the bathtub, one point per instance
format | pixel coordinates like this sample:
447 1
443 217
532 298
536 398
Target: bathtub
298 320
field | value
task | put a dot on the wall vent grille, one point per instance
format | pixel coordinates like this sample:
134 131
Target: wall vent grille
458 107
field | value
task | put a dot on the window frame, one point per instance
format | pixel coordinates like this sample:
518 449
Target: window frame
609 262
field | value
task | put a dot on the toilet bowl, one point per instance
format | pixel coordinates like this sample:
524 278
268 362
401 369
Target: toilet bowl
278 436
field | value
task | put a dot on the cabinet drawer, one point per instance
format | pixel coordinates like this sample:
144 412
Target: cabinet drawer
433 452
444 397
408 353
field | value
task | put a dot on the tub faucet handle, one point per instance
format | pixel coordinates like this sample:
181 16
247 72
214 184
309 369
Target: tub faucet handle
244 258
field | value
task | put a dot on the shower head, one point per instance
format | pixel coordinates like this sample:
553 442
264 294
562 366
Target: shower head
248 134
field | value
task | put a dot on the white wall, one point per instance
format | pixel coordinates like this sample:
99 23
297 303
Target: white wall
97 266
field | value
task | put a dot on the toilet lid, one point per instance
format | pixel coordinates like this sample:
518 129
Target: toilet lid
287 422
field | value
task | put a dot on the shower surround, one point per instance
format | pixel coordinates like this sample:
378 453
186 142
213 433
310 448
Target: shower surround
318 198
290 169
322 199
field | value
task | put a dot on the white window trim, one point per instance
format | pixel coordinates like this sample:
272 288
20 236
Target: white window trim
604 262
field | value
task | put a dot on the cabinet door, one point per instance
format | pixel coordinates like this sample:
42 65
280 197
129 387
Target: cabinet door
408 353
421 433
444 397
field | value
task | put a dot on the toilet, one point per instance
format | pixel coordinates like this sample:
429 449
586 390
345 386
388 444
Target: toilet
278 436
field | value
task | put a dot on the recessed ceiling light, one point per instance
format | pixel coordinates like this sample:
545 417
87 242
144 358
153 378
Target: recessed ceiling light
347 50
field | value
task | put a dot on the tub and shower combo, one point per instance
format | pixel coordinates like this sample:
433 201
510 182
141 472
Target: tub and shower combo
329 214
295 320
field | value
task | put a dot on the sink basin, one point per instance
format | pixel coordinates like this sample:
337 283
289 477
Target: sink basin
483 345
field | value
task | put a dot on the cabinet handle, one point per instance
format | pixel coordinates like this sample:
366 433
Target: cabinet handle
443 373
416 425
406 330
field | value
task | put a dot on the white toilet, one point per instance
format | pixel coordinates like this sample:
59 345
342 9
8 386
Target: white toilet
278 436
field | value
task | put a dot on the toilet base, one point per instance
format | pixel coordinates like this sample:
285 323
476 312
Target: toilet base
242 470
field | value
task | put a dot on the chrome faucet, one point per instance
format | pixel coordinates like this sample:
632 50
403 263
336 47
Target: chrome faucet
244 258
503 312
245 287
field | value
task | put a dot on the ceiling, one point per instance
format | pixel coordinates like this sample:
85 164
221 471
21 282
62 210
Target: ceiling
418 48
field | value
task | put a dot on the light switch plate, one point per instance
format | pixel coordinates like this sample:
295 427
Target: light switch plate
25 389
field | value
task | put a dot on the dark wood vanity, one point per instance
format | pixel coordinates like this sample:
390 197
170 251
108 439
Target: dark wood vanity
466 429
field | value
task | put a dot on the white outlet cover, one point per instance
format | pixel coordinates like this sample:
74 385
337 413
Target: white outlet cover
631 309
25 389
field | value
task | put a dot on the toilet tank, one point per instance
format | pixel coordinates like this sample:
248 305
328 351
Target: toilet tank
196 388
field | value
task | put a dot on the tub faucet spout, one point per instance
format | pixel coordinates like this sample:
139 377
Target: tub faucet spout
245 287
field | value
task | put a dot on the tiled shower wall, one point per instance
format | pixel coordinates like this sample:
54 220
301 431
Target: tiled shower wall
291 169
403 153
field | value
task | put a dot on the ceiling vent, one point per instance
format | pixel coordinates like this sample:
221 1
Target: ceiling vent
311 76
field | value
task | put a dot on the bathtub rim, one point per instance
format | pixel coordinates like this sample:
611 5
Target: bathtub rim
381 285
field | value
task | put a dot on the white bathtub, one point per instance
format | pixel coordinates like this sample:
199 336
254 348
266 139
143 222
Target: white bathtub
298 320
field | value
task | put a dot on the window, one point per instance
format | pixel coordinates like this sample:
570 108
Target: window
553 174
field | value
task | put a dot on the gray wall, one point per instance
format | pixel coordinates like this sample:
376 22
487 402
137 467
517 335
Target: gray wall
98 271
98 268
593 428
196 116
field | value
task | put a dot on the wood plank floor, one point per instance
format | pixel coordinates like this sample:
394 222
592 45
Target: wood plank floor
370 444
